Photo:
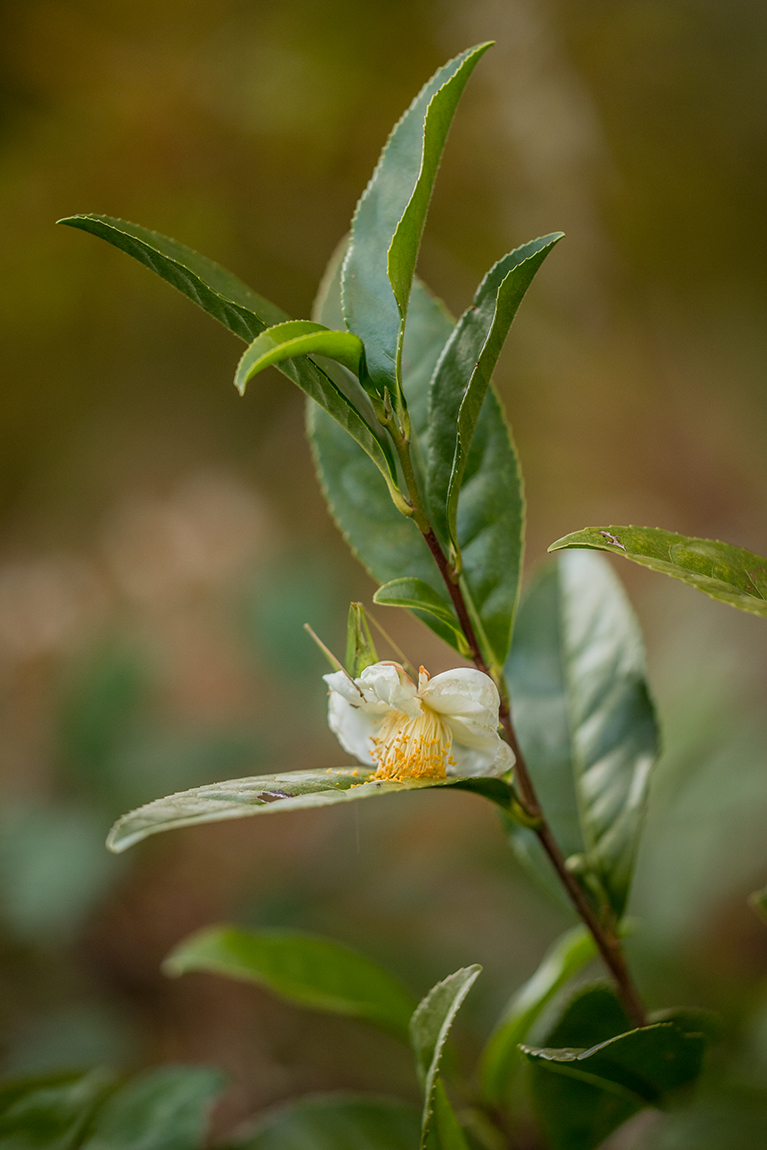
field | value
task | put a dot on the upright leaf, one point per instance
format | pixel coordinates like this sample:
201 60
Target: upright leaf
429 1029
730 574
287 791
450 1135
389 220
462 378
302 968
246 314
501 1055
584 719
336 1122
164 1109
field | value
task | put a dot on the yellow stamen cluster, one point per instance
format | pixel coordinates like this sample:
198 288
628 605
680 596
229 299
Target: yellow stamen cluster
412 748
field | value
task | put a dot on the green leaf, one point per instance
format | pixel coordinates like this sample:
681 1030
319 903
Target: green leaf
49 1113
336 1122
289 791
164 1109
386 543
247 315
303 968
416 595
389 220
582 1095
584 720
295 338
500 1057
450 1135
360 648
462 379
730 574
758 903
429 1029
594 1074
221 294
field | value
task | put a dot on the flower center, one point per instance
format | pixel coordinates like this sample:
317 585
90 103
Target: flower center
412 748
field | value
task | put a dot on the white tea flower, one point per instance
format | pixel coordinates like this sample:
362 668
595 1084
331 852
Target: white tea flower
447 725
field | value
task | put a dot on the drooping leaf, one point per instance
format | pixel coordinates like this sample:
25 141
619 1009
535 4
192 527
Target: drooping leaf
164 1109
730 574
584 719
247 315
360 648
416 595
582 1095
500 1057
450 1135
289 791
389 221
49 1113
336 1122
294 338
302 968
461 381
429 1029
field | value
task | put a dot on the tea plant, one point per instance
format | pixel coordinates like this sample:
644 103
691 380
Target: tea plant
553 723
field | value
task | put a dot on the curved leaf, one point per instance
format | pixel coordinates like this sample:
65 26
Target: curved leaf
501 1055
584 719
294 338
389 220
730 574
429 1029
416 595
289 791
164 1109
336 1122
302 968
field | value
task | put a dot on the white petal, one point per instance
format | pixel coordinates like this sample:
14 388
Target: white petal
353 726
354 691
495 759
390 684
468 701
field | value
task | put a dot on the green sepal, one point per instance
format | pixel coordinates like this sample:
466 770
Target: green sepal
416 595
298 337
360 648
429 1030
720 570
302 968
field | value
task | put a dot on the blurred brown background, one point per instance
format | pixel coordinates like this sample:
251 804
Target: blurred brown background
164 540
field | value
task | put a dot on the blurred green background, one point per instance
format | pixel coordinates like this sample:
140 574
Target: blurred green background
164 540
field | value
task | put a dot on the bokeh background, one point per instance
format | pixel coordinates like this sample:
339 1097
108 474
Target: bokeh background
163 541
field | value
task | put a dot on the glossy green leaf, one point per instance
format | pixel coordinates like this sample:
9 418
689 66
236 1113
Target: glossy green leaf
389 221
289 791
450 1135
416 595
163 1109
595 1073
303 968
51 1112
730 574
336 1122
462 379
584 720
221 294
294 338
386 543
500 1057
360 648
247 315
429 1029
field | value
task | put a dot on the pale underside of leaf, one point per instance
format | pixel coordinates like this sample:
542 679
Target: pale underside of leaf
721 570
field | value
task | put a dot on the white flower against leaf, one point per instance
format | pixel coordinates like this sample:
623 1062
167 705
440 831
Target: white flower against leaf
447 725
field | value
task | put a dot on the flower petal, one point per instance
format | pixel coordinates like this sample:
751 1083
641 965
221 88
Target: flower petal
391 684
353 726
496 758
468 700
